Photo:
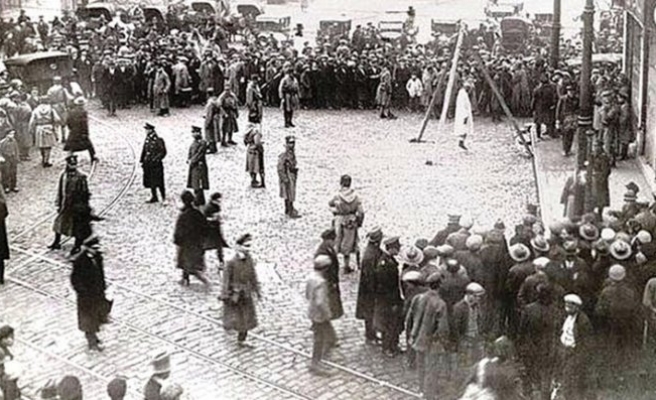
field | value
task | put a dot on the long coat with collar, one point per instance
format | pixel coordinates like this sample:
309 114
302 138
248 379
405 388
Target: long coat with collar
198 176
152 155
426 322
88 280
332 276
240 287
287 173
366 288
460 319
4 243
161 88
72 197
78 127
189 235
388 308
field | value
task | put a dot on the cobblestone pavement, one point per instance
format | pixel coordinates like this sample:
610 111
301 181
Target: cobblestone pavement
400 192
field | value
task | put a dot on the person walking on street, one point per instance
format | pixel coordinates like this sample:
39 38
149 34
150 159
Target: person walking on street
198 179
287 174
9 389
388 306
214 237
78 130
72 201
348 218
88 280
316 293
152 155
189 235
566 118
240 290
327 248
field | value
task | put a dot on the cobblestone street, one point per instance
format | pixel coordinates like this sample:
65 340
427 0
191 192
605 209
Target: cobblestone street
401 193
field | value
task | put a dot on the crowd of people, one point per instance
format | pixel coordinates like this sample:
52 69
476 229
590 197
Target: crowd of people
573 305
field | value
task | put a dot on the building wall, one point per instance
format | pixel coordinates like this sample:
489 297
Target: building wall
34 8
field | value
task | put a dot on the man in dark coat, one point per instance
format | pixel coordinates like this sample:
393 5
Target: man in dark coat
212 120
78 130
152 154
537 328
545 98
288 92
110 87
189 235
72 198
88 280
366 288
214 238
198 179
388 308
327 248
287 174
4 244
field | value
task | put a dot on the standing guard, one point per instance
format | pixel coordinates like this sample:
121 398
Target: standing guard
255 154
152 154
288 91
198 179
212 121
566 118
287 174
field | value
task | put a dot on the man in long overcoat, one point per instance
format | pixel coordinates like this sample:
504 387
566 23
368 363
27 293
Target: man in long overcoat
327 248
78 130
88 280
4 244
72 196
254 154
545 99
214 236
287 174
212 120
189 235
366 288
240 290
388 308
161 88
152 154
288 92
198 179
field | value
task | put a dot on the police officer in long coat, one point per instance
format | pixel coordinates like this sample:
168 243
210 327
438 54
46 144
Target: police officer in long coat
88 280
287 173
72 199
212 120
198 179
152 154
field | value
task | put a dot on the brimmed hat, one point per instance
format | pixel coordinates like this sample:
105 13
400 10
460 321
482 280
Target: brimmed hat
92 240
571 248
375 235
541 262
161 363
290 139
601 246
519 252
411 255
573 299
589 232
620 250
196 129
329 234
412 276
434 277
321 262
71 159
79 101
539 243
149 126
617 273
421 243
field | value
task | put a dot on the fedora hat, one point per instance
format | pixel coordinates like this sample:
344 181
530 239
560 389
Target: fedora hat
539 243
571 248
519 252
620 250
375 235
411 255
161 363
589 232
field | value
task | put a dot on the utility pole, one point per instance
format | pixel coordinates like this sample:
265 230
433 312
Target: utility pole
585 100
555 35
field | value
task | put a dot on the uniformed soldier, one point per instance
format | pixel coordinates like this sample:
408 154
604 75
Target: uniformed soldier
288 91
287 174
566 118
254 154
198 179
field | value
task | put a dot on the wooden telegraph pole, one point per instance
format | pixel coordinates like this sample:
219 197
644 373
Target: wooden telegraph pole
555 35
